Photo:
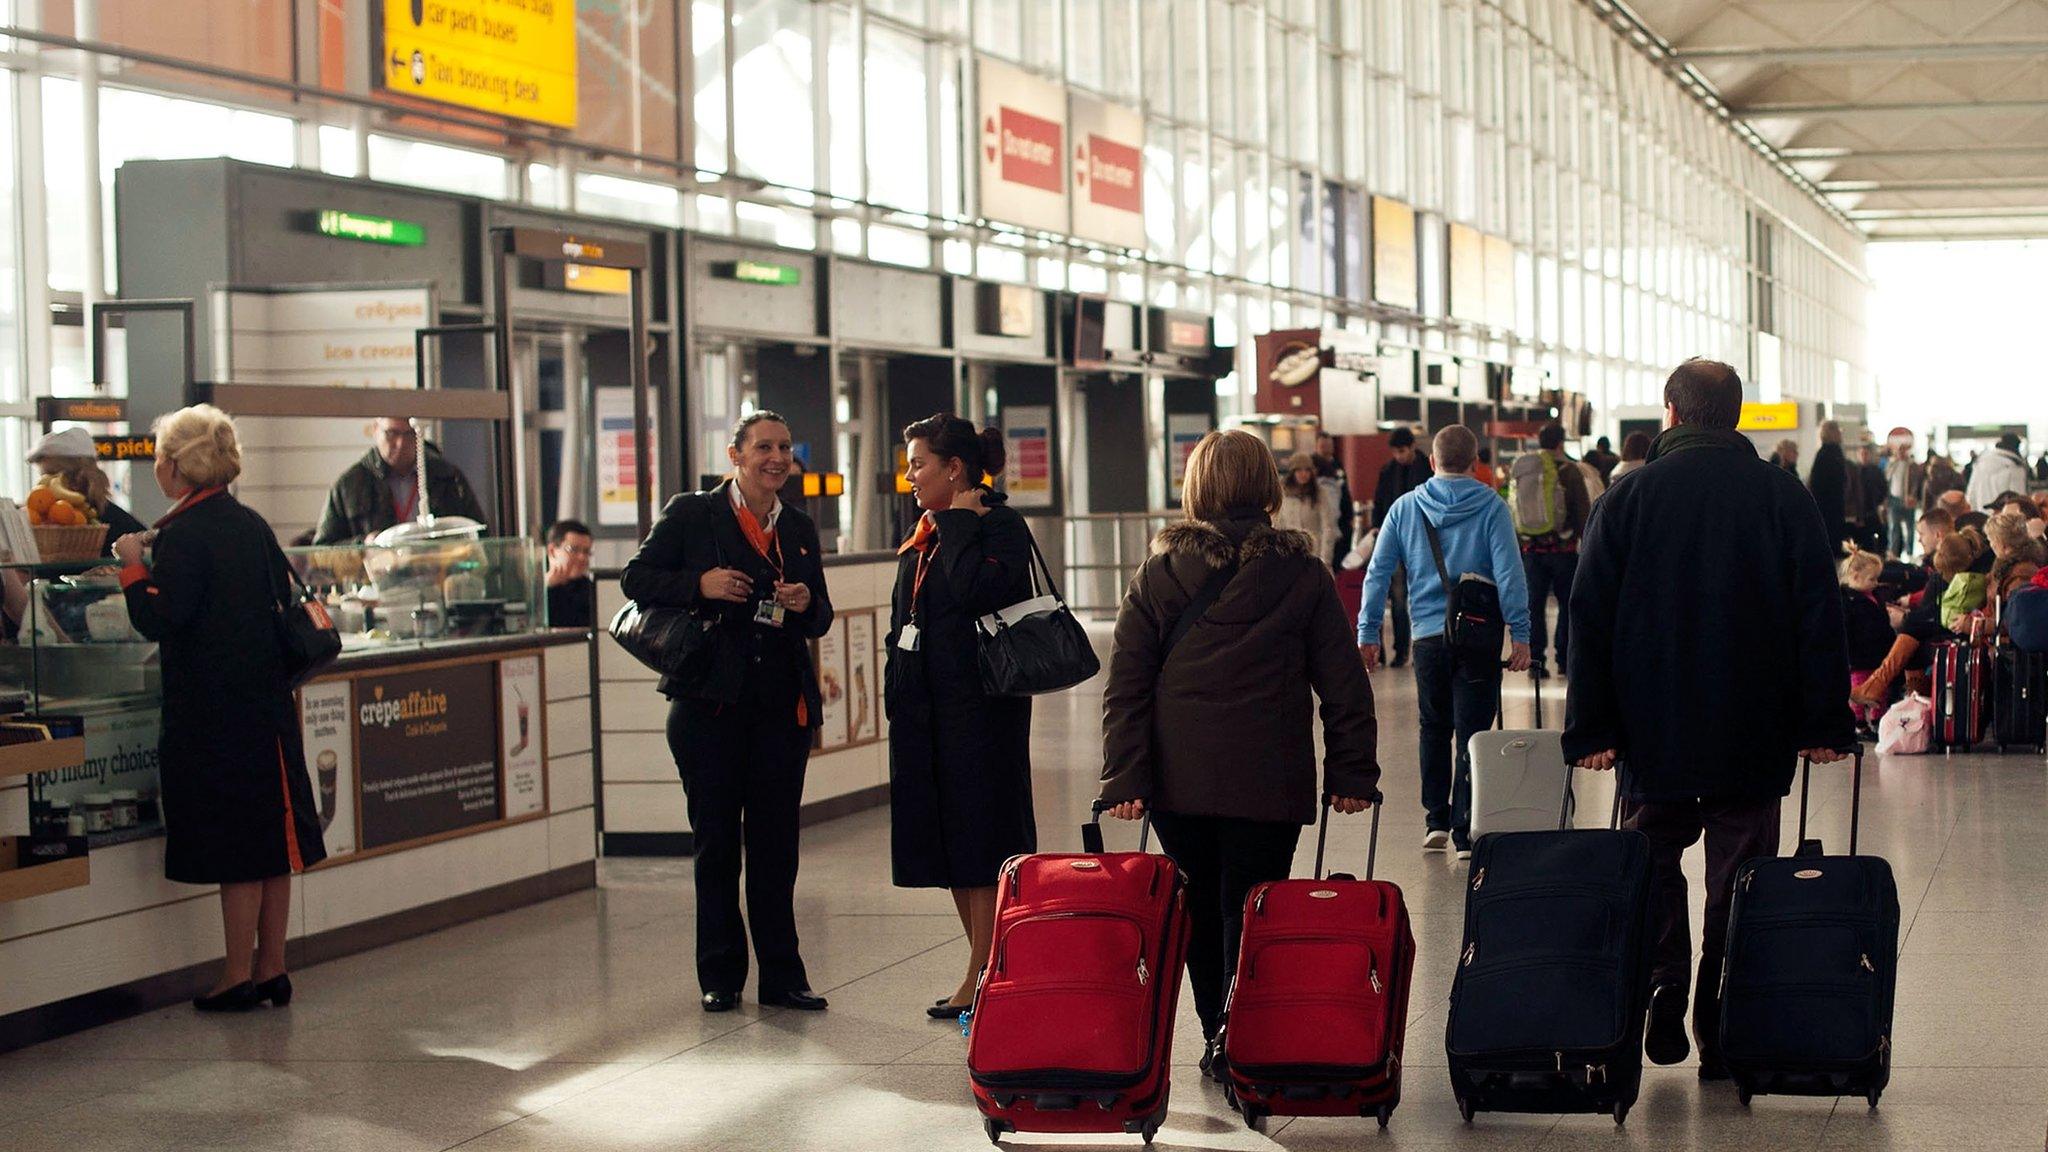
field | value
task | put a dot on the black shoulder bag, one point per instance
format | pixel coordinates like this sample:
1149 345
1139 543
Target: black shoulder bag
1473 624
1035 646
675 642
1192 614
305 631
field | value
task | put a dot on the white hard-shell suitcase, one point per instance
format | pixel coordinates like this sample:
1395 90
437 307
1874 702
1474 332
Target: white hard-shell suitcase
1517 775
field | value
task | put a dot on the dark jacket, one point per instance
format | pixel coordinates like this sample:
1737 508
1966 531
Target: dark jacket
1226 727
573 605
119 521
698 531
1871 485
1396 481
237 802
1707 640
360 501
1868 629
1829 482
959 759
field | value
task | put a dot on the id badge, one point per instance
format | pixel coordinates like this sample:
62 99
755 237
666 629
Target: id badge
907 639
769 613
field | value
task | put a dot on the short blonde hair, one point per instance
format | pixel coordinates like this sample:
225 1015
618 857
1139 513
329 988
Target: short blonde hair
2006 531
1229 471
200 443
1860 570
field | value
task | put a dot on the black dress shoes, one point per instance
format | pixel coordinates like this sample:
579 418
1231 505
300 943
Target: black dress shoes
946 1010
1664 1041
799 999
277 990
241 998
721 1001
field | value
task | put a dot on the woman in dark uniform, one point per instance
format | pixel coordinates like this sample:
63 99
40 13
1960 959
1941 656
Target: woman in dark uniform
959 760
741 731
238 805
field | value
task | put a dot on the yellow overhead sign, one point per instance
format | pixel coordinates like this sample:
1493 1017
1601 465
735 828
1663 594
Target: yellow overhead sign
1769 417
511 57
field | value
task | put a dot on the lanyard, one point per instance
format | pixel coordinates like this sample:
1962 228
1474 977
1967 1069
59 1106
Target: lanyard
924 567
768 544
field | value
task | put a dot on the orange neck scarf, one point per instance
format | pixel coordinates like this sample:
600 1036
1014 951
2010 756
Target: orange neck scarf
922 539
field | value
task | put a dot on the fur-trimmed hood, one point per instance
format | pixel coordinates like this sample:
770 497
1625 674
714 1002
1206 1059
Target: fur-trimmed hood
1231 541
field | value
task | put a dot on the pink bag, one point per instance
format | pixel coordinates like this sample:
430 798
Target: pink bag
1907 728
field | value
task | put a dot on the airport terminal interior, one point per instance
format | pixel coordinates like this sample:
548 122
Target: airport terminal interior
431 432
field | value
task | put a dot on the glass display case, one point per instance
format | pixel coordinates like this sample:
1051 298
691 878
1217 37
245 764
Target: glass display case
428 592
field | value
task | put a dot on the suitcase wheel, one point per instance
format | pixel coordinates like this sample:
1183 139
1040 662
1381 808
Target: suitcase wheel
1466 1110
1872 1096
1743 1096
1254 1117
1620 1113
1385 1113
994 1128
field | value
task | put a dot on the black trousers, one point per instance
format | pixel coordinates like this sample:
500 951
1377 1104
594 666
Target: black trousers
743 774
1456 698
1222 858
1550 573
1735 831
1397 603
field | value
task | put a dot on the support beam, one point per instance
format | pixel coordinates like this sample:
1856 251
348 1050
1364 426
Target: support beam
1906 107
1945 184
1866 215
1851 152
1859 53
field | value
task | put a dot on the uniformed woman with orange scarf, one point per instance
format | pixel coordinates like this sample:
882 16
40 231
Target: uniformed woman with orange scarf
959 759
741 730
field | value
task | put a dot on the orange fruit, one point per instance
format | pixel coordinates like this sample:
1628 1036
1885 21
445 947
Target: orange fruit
39 501
62 512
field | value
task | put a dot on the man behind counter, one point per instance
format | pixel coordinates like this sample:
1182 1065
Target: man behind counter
382 488
572 595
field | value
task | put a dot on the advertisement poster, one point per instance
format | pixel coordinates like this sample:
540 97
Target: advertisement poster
863 678
1109 171
1184 430
1468 274
618 477
832 685
1023 147
429 751
1290 362
520 722
1027 433
1500 283
120 753
1394 265
330 759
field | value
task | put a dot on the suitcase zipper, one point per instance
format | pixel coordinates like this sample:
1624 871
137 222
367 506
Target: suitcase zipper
1478 878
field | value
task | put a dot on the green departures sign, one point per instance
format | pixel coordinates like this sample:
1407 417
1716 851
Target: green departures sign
758 271
371 229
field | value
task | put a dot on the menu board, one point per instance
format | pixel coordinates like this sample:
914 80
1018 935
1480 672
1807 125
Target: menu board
618 471
427 742
324 728
520 721
1027 435
863 677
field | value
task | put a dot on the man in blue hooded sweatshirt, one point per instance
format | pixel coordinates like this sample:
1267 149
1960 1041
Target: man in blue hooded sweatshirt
1456 696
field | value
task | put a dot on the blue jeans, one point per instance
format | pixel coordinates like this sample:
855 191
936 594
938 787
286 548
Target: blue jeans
1456 699
1898 527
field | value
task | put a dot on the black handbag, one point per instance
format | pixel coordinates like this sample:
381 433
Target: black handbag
1036 646
305 631
1474 625
675 642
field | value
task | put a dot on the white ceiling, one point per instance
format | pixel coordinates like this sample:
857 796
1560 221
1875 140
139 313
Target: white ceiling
1919 118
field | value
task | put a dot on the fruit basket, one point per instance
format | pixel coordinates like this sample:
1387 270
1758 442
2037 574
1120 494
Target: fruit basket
70 541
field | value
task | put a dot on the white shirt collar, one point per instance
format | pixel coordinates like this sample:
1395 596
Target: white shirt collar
739 506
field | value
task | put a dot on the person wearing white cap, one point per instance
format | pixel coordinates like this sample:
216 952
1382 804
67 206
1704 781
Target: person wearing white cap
71 457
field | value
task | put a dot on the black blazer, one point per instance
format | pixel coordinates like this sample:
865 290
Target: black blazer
698 532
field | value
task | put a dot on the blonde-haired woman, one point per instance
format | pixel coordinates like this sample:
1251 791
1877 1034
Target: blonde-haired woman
71 457
238 806
1218 743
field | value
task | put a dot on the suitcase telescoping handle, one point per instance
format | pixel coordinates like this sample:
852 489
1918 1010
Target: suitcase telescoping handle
1091 832
1855 794
1372 850
1564 810
1500 699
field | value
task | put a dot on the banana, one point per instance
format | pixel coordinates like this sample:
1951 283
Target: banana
75 499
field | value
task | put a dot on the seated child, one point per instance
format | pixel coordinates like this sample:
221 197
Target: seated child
1965 591
1869 629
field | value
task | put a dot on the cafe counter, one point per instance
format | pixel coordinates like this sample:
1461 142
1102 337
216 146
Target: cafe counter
451 757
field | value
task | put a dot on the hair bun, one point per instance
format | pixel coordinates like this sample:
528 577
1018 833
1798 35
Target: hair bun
994 451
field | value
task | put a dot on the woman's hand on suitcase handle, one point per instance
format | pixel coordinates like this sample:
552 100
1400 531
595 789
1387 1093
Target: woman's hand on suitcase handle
1601 761
1825 755
1128 810
1350 805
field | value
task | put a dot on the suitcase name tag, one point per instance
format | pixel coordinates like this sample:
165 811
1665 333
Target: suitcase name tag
1083 865
1807 874
1322 894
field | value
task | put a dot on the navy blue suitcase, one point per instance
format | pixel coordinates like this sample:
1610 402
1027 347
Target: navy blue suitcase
1553 981
1807 986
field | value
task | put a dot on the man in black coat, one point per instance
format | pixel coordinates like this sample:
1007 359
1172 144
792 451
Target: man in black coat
1708 654
1407 471
382 489
1828 480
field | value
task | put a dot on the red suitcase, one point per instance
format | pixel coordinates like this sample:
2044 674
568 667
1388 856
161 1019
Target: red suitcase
1962 688
1072 1026
1319 1009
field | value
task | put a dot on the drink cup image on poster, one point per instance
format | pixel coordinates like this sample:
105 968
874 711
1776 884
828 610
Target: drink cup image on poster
427 746
833 686
1027 472
519 733
862 682
328 737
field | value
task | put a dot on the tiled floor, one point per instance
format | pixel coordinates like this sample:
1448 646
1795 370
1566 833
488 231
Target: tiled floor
574 1025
